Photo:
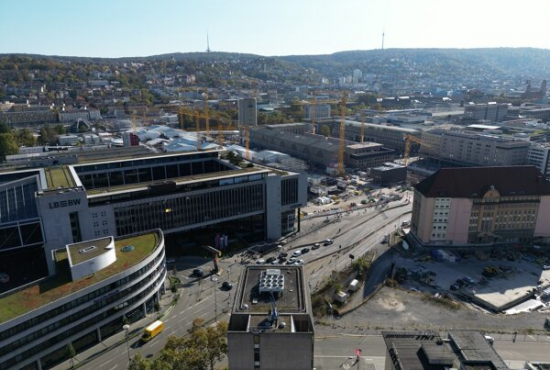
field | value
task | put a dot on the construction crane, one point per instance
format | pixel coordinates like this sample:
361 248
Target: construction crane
134 123
198 123
362 126
408 139
207 119
341 170
247 142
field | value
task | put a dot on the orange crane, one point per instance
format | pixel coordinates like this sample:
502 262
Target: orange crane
341 170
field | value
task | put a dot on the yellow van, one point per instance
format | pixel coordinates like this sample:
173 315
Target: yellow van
152 331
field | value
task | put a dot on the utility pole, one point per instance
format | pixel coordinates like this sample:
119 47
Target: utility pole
126 329
215 302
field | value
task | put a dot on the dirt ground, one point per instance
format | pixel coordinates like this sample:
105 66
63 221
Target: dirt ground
398 309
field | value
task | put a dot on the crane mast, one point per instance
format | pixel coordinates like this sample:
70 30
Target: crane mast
341 170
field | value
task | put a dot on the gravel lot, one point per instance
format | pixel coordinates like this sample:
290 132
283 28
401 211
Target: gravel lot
399 309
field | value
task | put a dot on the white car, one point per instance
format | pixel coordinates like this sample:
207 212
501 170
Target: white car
261 261
296 253
292 260
300 262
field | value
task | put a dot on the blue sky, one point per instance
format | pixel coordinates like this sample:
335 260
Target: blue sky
116 28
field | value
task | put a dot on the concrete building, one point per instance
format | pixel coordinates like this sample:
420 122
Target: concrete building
486 112
470 149
389 173
391 137
539 157
95 285
248 112
181 194
481 205
430 351
271 326
322 111
318 150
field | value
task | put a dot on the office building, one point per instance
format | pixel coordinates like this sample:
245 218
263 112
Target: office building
539 157
389 173
391 137
470 149
317 150
430 351
271 326
97 287
322 111
481 205
195 196
494 112
248 112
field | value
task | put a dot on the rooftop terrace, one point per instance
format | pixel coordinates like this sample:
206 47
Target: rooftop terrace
87 250
59 177
58 286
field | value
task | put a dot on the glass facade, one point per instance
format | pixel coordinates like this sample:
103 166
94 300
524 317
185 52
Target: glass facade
190 209
289 191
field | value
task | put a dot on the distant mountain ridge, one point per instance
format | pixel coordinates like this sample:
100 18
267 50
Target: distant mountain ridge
490 63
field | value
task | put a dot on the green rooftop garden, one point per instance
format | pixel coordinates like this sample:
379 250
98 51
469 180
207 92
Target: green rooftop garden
61 285
59 177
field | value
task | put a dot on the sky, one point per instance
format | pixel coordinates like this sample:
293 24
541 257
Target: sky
124 28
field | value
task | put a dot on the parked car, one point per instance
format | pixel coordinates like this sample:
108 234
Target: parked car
328 242
469 280
261 261
227 285
198 272
271 260
305 250
455 287
489 339
546 267
170 260
283 254
296 253
316 246
282 259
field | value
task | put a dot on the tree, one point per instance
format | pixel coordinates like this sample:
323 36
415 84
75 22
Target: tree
325 131
200 350
4 128
25 137
60 129
139 363
361 265
8 145
70 352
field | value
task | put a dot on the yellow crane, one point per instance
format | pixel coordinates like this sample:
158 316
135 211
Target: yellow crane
206 115
408 140
362 126
341 170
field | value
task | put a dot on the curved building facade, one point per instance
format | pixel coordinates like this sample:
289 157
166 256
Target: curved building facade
38 321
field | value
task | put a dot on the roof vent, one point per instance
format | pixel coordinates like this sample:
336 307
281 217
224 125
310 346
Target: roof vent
87 249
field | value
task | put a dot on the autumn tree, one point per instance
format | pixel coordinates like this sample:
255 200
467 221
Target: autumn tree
200 350
325 130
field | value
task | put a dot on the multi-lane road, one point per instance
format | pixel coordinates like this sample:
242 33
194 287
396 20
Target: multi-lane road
361 230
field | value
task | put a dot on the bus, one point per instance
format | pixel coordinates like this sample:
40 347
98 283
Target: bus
152 331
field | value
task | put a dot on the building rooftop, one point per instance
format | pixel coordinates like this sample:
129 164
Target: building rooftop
291 300
87 250
474 182
59 177
30 297
366 144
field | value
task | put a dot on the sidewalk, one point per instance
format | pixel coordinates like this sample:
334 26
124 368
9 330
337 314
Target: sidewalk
136 329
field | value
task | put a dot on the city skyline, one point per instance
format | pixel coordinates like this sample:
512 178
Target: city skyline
126 29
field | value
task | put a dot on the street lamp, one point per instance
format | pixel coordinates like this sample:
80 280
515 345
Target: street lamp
126 329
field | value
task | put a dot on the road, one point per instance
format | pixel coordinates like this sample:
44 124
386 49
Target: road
203 297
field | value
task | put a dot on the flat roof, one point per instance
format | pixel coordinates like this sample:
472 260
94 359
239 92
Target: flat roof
59 177
87 250
61 285
366 144
249 300
177 180
413 348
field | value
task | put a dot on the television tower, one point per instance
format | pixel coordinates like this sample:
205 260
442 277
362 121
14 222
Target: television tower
207 43
383 34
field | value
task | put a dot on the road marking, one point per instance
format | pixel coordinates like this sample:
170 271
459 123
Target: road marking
114 367
105 363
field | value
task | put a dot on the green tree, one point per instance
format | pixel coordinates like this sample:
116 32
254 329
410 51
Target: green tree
70 352
8 145
60 129
200 350
325 130
25 137
361 265
139 363
4 128
44 138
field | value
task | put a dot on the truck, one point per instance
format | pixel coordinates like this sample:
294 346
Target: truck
152 331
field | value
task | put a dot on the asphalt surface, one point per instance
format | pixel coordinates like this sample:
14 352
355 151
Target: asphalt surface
362 231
